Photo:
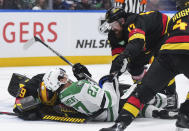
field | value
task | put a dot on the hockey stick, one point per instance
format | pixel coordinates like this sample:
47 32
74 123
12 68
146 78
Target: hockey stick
52 117
30 42
9 113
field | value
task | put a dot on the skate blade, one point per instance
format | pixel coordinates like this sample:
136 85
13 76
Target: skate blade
181 129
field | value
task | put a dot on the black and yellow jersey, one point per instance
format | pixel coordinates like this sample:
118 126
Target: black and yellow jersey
178 34
142 33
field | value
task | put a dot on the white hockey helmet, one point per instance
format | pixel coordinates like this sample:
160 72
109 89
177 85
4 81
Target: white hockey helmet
55 78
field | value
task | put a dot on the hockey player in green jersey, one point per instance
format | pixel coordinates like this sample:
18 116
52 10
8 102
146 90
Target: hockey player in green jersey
95 102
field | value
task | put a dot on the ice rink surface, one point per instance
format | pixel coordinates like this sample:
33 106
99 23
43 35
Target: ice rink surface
10 123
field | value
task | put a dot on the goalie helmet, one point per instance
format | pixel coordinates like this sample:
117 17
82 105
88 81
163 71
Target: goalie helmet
55 78
181 4
114 14
46 96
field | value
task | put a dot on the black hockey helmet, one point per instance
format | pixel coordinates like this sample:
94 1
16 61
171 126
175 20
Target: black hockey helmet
114 14
181 4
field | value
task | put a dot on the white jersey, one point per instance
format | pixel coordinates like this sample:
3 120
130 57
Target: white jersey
88 98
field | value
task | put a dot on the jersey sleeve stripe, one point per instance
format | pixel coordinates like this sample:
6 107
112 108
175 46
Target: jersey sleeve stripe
135 31
134 101
111 114
109 98
137 36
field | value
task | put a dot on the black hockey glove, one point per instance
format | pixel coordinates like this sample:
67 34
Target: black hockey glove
105 78
79 71
119 64
27 108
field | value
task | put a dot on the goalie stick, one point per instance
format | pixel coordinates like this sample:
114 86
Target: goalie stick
9 113
35 39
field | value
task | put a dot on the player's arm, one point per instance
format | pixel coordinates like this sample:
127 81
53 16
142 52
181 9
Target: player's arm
136 38
136 45
110 88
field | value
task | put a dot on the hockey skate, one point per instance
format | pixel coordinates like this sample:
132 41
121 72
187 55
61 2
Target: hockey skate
172 102
182 122
124 119
120 126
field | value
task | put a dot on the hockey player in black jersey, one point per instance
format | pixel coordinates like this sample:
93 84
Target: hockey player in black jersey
34 100
137 38
172 60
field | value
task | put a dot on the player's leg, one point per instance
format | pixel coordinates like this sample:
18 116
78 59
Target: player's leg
183 119
172 96
157 77
170 92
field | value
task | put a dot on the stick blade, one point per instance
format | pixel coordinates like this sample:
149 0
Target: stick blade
29 43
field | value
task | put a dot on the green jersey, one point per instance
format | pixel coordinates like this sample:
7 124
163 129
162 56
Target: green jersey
88 98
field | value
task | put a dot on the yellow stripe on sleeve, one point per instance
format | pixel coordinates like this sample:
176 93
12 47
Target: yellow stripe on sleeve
137 36
132 109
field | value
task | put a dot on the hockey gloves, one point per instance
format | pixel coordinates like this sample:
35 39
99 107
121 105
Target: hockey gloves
119 64
79 71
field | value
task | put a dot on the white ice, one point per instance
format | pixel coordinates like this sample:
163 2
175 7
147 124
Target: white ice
10 123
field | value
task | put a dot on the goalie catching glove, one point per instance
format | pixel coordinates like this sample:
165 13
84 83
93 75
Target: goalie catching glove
80 70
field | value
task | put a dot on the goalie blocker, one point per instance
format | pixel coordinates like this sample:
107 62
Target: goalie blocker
29 108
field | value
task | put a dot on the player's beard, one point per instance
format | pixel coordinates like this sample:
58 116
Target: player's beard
118 33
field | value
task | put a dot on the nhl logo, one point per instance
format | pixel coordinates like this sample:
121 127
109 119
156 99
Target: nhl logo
103 26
